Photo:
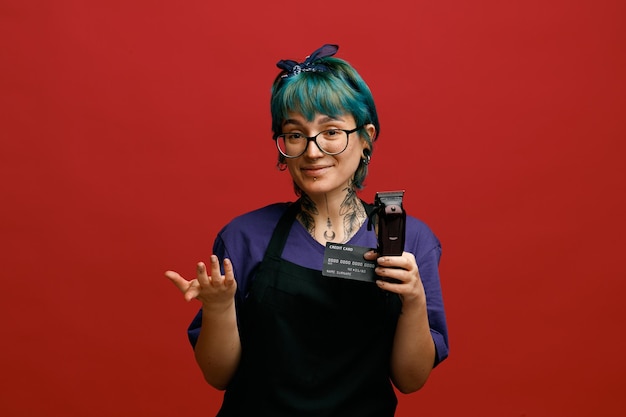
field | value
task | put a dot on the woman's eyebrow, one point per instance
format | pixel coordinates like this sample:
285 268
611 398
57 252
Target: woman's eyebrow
291 122
322 120
327 119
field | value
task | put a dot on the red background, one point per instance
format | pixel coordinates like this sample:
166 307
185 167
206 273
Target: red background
503 120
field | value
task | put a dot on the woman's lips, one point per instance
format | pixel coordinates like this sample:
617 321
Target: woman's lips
314 171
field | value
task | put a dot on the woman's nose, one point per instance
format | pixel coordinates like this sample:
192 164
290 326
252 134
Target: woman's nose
312 150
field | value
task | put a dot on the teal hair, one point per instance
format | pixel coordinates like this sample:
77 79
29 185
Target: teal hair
334 92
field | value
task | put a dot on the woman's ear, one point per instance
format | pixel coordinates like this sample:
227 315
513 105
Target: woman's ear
371 131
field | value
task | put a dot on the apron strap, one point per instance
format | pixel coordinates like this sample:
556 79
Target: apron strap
281 232
369 208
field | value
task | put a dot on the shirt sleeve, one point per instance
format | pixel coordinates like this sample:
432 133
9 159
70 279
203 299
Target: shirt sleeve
428 265
243 241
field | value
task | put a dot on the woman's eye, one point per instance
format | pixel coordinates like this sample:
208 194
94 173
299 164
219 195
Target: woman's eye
293 136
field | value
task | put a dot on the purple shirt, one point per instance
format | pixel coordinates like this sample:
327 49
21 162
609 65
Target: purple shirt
245 239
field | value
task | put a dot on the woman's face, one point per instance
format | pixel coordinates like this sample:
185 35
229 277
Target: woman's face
315 172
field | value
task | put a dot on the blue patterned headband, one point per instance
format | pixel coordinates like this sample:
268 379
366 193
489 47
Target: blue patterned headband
309 64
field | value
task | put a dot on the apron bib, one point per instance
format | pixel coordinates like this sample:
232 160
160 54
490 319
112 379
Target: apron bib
312 345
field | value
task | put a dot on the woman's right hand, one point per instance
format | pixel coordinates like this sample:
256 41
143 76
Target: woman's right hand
218 348
214 290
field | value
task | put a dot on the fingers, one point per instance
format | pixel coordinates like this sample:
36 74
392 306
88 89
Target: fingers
400 269
201 274
400 274
216 278
190 289
216 273
395 269
193 291
208 282
229 275
181 283
406 261
370 255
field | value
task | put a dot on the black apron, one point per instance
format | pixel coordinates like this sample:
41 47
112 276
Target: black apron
312 345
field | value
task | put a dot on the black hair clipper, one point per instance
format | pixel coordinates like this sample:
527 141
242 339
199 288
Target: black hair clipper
391 222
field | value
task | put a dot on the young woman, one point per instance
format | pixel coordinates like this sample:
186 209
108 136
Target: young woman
279 336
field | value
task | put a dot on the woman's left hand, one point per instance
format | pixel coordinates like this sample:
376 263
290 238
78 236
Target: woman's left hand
413 352
399 274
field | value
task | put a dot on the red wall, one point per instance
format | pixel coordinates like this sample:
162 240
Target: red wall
503 120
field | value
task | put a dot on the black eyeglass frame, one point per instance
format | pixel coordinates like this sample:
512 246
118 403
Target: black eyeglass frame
314 139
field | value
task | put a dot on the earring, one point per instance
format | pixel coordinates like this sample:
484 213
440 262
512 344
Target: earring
367 156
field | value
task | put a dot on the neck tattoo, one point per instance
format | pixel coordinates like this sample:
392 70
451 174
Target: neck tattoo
330 233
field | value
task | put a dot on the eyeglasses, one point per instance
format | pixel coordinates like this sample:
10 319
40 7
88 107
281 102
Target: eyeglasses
330 142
